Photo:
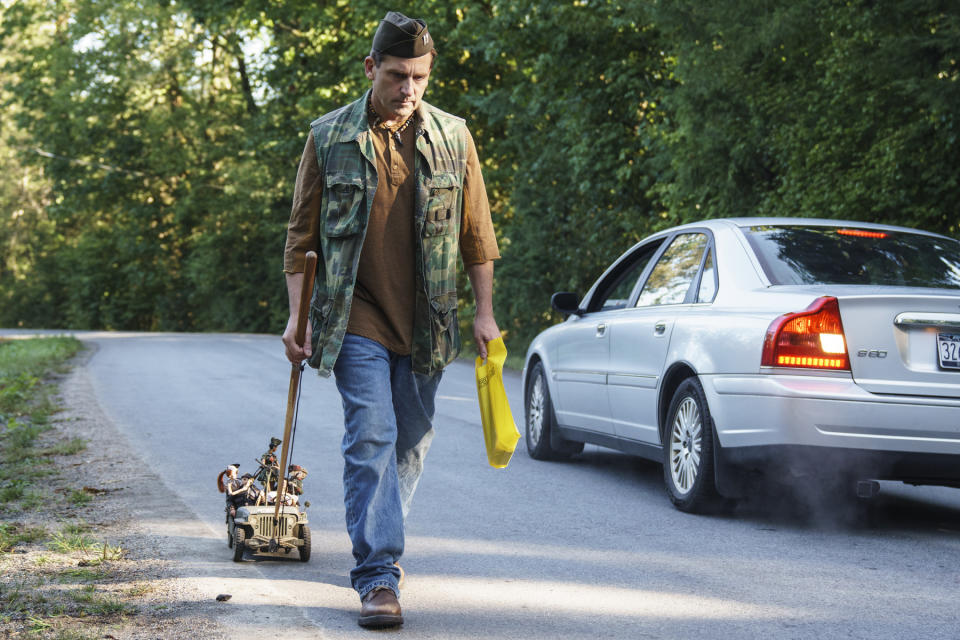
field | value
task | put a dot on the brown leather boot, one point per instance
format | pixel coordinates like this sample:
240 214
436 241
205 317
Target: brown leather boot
380 608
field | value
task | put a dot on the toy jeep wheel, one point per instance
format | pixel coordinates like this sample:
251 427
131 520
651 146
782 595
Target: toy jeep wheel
305 549
239 535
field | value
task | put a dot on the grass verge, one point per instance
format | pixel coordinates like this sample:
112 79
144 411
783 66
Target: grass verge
27 405
70 569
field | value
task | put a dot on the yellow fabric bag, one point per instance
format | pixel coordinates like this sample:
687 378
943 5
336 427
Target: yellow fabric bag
499 430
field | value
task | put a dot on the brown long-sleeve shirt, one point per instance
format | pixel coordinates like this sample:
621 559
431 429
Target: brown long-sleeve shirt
384 295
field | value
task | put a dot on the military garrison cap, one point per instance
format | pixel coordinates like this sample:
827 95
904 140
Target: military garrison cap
402 37
275 441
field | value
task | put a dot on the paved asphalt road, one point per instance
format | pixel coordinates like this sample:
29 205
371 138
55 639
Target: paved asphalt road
589 548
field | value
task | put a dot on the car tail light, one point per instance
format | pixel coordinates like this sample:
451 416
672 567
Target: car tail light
811 339
860 233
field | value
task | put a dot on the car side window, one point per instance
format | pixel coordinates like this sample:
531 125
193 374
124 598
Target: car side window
674 272
615 291
620 293
708 281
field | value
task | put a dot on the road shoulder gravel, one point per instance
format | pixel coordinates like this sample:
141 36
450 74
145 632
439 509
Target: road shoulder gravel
146 586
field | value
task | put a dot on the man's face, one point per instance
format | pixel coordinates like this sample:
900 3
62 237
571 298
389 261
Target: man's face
398 85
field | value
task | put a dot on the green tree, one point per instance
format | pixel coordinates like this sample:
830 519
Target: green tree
149 148
27 235
572 109
171 135
159 194
814 108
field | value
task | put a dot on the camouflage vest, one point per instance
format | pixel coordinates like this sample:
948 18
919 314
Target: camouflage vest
347 161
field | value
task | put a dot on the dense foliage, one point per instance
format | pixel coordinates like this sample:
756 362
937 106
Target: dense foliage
149 147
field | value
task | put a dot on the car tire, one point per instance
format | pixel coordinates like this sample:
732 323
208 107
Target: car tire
543 442
239 535
688 453
305 549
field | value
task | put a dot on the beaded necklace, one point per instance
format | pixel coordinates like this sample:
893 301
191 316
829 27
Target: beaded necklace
378 121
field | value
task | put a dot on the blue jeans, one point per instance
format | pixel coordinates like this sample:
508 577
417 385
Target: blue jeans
388 412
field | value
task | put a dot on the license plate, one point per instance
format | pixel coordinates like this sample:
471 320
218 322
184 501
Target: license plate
948 348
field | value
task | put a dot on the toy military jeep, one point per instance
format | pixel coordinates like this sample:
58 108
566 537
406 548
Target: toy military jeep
252 529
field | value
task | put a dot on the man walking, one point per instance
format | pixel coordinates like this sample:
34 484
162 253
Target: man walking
388 192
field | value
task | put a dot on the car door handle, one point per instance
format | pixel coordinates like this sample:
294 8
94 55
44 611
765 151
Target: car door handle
601 330
660 328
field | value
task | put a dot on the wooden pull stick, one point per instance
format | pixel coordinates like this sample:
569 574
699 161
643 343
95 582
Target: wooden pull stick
303 313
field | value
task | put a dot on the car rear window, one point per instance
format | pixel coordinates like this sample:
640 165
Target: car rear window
849 255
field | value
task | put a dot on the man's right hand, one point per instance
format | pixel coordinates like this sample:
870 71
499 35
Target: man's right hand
297 353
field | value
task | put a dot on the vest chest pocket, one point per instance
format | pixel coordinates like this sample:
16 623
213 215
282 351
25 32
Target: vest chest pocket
344 195
442 196
440 234
436 228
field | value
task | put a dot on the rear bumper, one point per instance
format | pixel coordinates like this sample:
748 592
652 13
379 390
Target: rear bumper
830 412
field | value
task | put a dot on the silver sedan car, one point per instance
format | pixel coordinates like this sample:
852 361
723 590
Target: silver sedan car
732 348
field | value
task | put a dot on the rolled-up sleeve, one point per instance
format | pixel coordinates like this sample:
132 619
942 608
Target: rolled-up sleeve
478 242
305 214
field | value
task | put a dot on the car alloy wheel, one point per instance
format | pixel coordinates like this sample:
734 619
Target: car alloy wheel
536 410
688 456
686 445
542 442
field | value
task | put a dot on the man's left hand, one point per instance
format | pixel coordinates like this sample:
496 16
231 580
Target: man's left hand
484 326
484 330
